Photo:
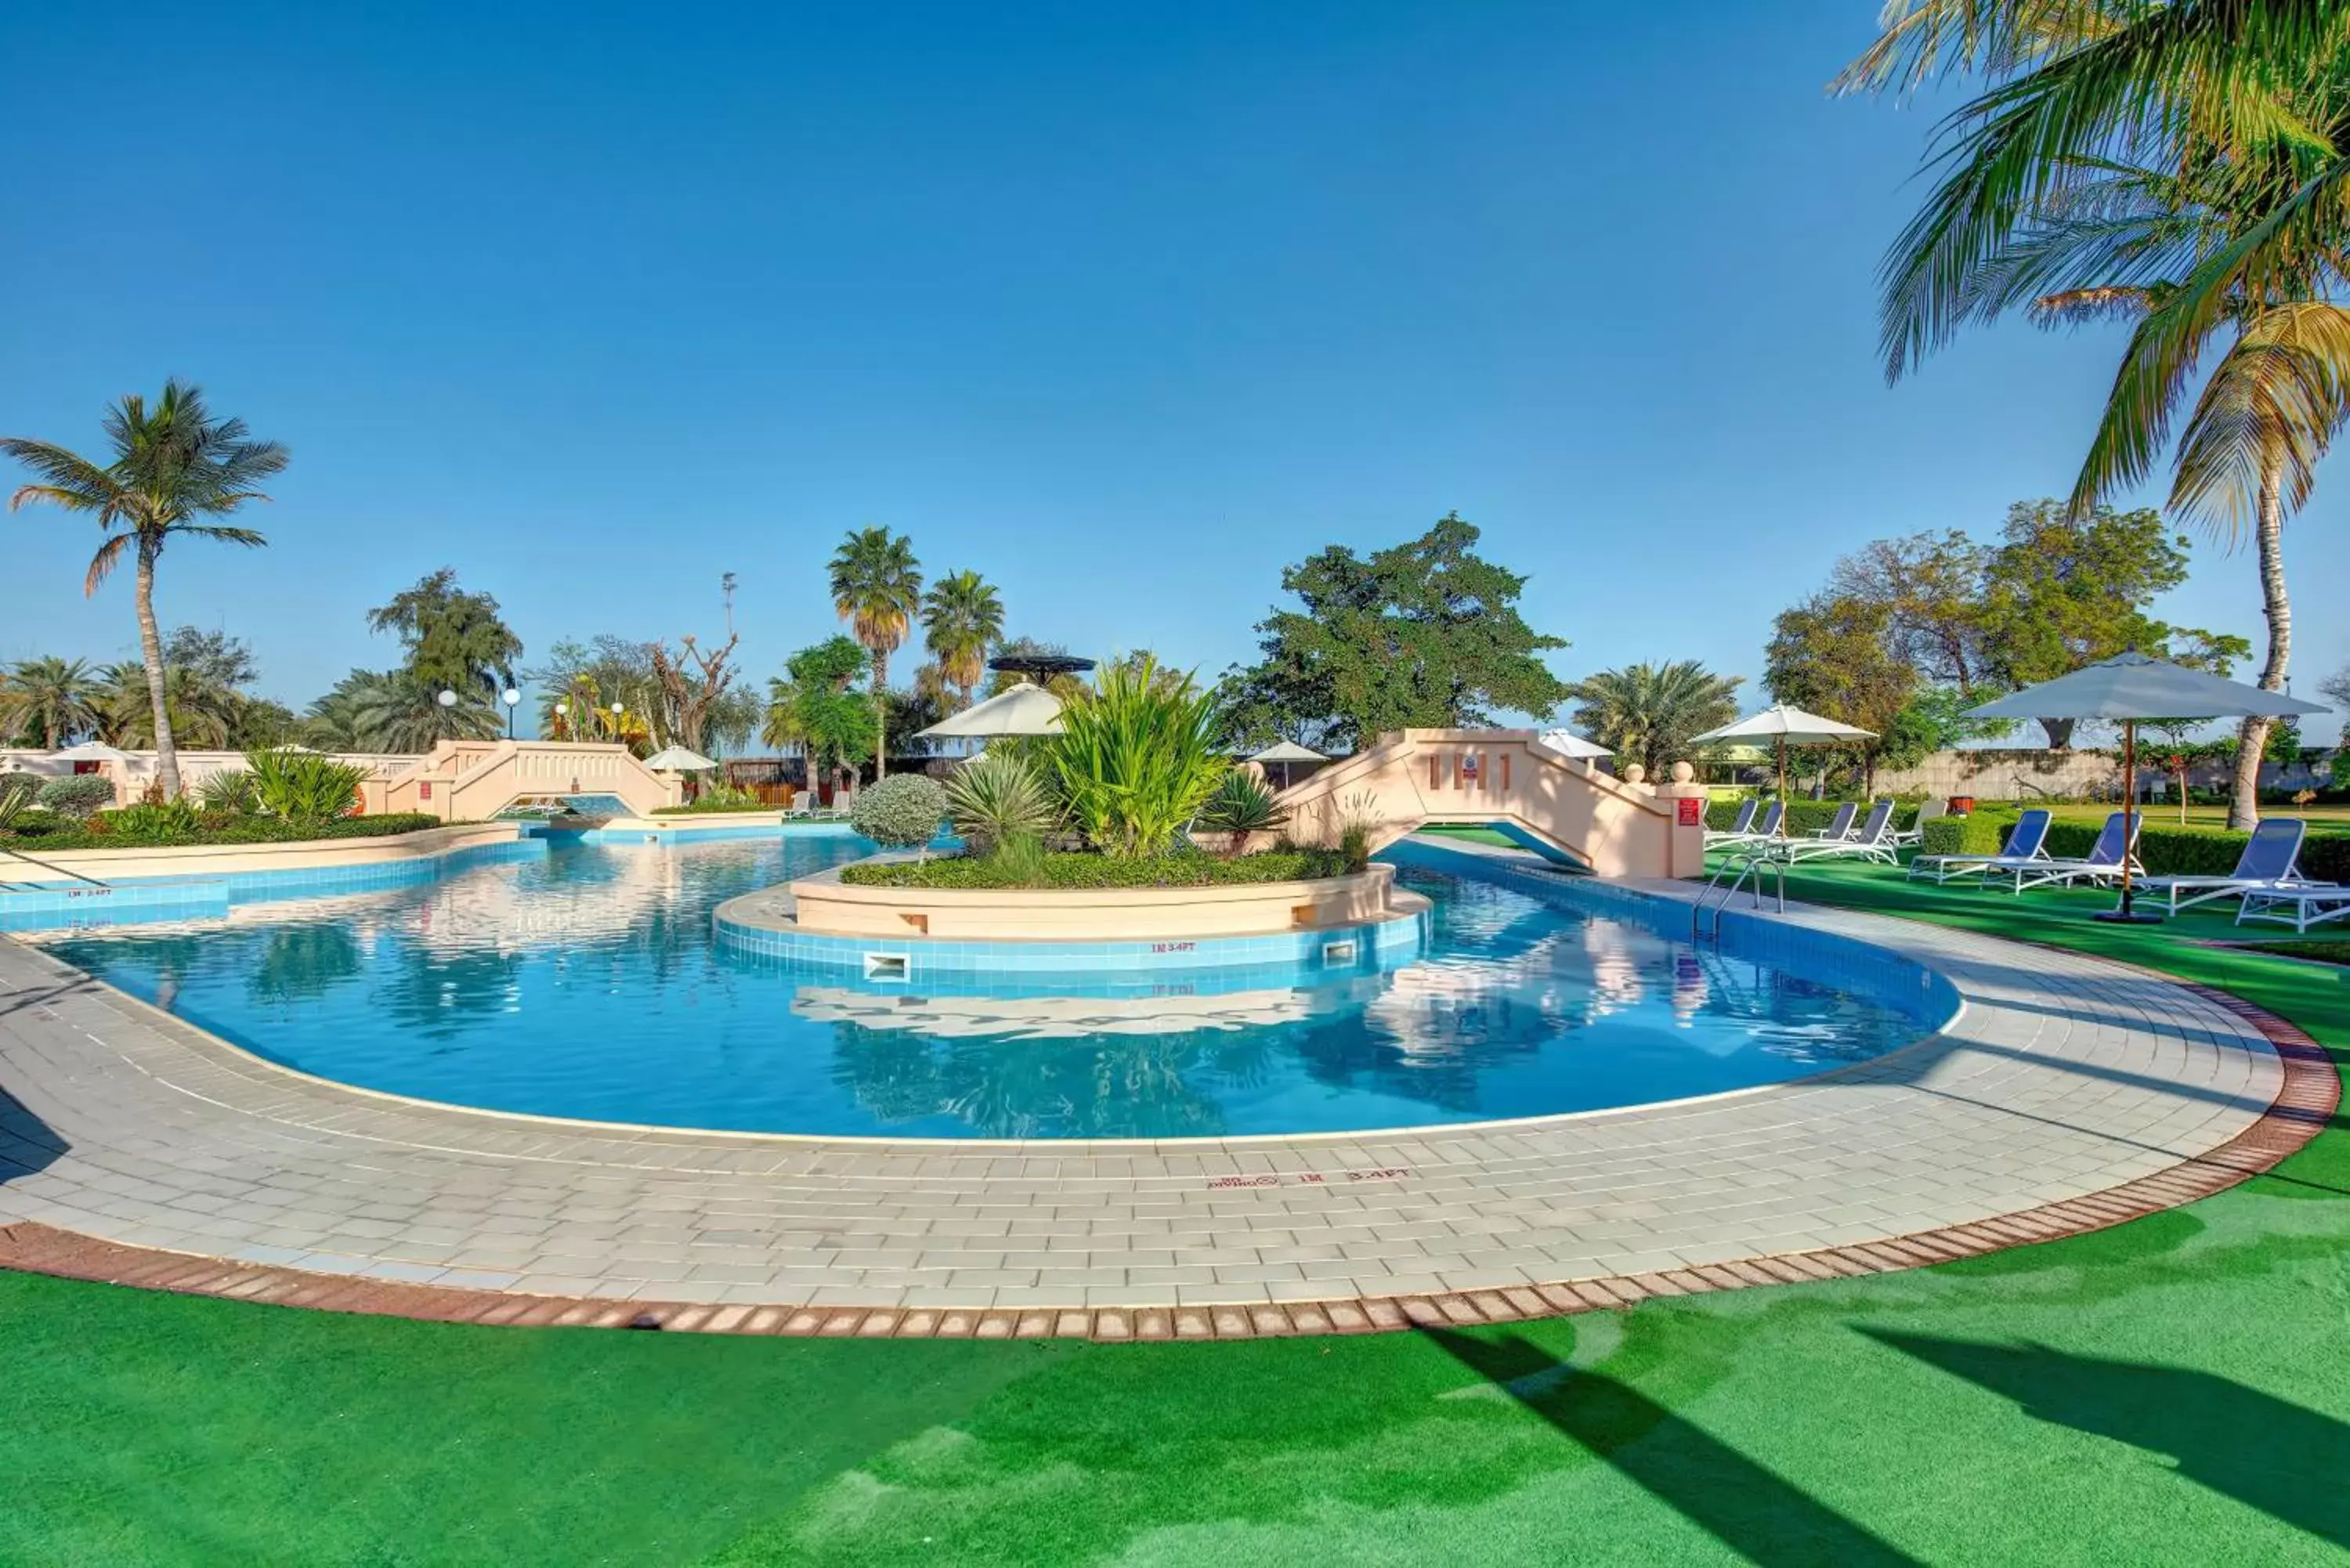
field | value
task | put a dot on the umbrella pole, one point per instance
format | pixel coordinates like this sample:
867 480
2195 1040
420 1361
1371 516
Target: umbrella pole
1783 786
2127 913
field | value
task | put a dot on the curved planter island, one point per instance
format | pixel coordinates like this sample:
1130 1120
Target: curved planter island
1359 920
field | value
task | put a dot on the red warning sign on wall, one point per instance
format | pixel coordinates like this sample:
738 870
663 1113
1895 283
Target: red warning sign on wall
1693 811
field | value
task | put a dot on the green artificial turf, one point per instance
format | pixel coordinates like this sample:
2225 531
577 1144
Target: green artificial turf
1473 834
2176 1390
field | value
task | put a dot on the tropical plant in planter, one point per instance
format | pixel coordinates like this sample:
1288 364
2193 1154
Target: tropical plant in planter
901 812
303 787
998 796
1136 757
231 790
1241 807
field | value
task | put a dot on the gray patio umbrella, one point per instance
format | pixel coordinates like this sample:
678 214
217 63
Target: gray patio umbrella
2130 688
1023 710
1567 743
1787 727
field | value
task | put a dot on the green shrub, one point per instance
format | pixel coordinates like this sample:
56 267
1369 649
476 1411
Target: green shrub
17 793
1182 868
998 796
1136 757
304 788
232 790
121 830
719 797
1020 861
2202 851
1241 806
901 812
77 796
1982 834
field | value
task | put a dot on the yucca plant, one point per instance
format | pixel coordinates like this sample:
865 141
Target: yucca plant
998 796
1241 807
1136 757
303 787
231 790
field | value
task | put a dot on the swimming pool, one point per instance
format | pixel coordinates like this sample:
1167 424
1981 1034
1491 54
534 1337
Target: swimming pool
585 983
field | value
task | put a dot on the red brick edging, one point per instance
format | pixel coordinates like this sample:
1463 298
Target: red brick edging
2310 1094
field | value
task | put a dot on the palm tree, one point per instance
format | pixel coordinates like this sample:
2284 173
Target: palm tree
2182 166
50 698
963 617
1648 713
876 588
196 708
174 465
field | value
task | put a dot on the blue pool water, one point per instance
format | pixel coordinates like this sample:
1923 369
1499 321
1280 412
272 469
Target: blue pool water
586 984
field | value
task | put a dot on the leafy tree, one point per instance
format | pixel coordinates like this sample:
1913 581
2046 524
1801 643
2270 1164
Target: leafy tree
175 468
814 709
1648 713
1930 585
1426 634
2066 590
455 640
876 588
588 679
1834 655
199 710
963 617
217 658
2175 166
51 699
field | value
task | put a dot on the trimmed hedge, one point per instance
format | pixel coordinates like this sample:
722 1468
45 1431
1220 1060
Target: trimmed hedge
212 828
2202 851
1984 833
1183 869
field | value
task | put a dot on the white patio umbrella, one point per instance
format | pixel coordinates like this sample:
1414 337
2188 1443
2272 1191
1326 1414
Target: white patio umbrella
1566 743
1286 753
2129 688
1785 726
92 752
678 760
1023 708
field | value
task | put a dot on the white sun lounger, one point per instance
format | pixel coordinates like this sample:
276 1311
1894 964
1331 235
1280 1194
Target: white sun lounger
1872 842
1915 834
2270 862
1737 830
1839 827
2103 864
2026 845
1764 831
2311 904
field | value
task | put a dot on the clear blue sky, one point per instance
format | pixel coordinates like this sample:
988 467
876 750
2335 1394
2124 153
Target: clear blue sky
1124 306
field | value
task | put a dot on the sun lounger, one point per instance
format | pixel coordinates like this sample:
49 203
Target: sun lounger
2310 904
2027 843
2270 862
1915 834
2102 864
1764 831
1739 825
1874 841
1839 827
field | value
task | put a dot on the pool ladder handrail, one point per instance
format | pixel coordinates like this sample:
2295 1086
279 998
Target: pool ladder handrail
59 870
1749 863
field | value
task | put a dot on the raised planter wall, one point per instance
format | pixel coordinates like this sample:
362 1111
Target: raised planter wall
829 906
240 860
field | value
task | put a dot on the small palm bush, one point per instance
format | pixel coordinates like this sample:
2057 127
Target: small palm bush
997 797
1136 757
901 812
77 796
1242 805
303 787
231 790
18 792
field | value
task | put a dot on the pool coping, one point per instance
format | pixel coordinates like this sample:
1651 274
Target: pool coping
2306 1096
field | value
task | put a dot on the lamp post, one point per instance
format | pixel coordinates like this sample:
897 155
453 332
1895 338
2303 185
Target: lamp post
619 709
511 699
562 710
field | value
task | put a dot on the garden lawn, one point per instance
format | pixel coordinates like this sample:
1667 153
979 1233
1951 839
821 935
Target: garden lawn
2176 1390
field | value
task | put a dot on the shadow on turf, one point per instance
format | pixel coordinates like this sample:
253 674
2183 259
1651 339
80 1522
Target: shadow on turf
1746 1507
2264 1453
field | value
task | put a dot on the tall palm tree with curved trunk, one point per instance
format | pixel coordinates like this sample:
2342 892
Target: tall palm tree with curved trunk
175 466
2183 167
876 588
963 617
49 696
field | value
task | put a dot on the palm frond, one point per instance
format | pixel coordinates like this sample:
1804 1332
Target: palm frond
108 557
2271 407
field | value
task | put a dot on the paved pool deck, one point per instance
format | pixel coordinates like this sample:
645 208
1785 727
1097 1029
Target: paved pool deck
2070 1093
